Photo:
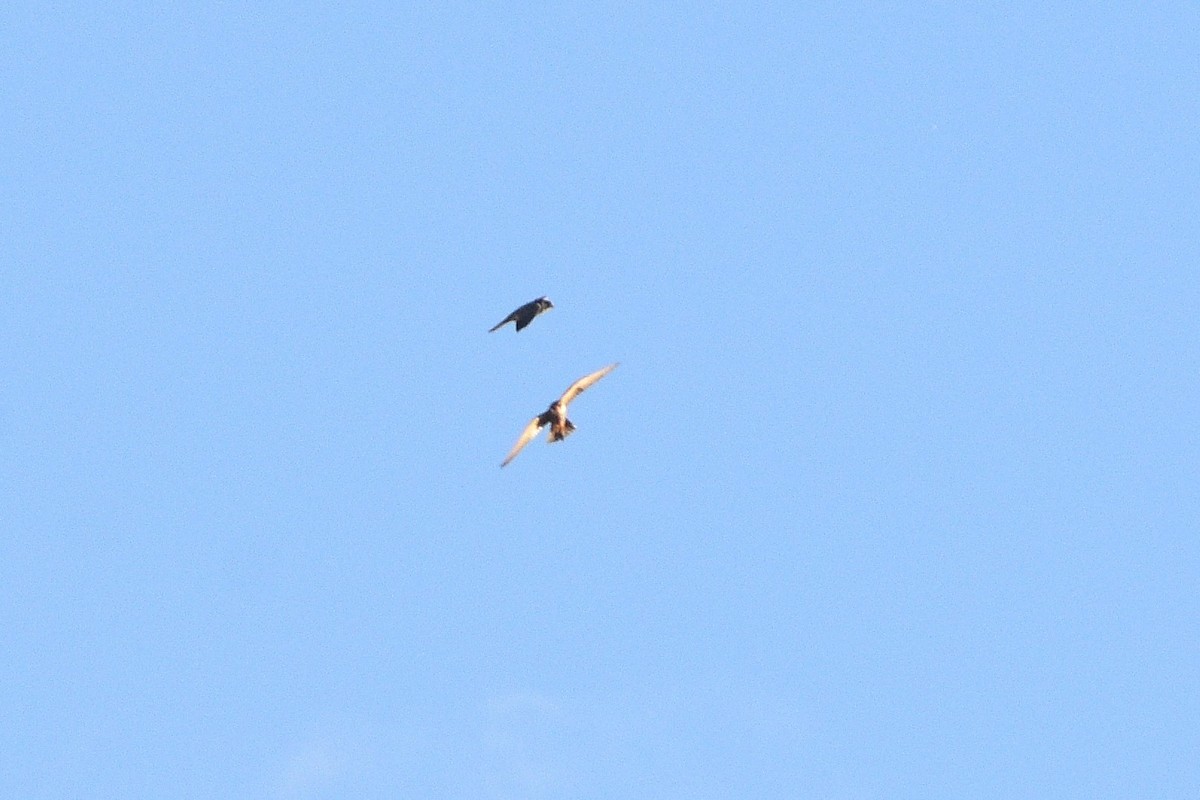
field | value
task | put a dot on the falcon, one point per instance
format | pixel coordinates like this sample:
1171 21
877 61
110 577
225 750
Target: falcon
525 314
556 415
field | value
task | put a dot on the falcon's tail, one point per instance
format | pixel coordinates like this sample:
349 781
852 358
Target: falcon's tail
557 433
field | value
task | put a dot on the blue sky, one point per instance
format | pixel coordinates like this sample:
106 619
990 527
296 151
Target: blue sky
892 496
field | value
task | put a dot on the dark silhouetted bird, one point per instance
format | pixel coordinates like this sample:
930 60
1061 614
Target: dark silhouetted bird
556 415
525 314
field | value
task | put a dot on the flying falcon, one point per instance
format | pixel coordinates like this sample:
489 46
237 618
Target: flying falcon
556 415
525 314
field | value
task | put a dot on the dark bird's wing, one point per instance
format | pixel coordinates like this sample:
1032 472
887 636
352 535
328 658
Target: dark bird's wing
510 318
527 435
578 386
525 315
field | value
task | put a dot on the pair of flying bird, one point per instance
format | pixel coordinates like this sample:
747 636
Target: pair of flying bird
556 415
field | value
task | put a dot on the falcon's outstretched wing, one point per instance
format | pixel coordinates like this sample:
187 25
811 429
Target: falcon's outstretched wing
531 430
578 386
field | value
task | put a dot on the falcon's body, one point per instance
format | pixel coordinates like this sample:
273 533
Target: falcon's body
525 314
556 415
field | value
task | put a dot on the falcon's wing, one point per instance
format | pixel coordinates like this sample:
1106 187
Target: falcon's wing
578 386
531 430
504 322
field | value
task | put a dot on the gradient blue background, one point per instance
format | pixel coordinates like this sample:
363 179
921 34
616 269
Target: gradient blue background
894 494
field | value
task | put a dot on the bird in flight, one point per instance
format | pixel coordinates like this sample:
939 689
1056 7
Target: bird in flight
525 314
556 415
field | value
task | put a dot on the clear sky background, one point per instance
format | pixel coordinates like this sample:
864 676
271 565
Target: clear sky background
894 494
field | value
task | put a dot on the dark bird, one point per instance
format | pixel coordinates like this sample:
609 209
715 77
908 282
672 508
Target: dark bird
525 314
556 415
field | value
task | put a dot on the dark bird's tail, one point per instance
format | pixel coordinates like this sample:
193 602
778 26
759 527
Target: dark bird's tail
499 325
